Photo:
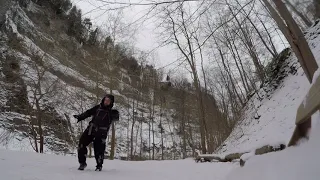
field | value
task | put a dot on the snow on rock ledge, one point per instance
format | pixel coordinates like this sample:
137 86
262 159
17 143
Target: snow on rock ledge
294 163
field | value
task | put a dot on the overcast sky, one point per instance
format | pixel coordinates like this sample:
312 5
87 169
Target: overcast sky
146 38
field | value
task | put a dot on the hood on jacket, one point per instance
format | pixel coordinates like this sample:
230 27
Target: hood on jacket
111 97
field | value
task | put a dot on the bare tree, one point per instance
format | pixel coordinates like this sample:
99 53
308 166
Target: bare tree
249 44
43 90
181 95
117 31
175 28
268 33
6 135
154 93
79 103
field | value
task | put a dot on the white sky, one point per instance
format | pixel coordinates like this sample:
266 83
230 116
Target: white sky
146 37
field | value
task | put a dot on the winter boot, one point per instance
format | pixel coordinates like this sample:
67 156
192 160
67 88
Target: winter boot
82 166
98 168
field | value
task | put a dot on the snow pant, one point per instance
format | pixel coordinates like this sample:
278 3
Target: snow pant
98 137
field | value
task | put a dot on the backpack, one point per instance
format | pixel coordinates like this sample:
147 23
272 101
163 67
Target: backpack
115 115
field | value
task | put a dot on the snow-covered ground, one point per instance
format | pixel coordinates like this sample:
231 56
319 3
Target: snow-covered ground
293 163
16 165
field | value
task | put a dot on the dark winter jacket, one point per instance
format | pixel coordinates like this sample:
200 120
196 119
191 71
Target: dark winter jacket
102 116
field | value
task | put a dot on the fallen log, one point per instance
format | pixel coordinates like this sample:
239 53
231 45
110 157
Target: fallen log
233 156
267 149
208 158
211 157
260 151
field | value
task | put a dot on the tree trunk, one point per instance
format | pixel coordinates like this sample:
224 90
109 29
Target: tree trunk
132 127
182 108
113 141
135 147
191 142
40 130
128 136
153 111
161 130
202 118
152 123
316 4
183 129
269 35
242 68
189 55
230 46
249 45
34 133
113 137
305 19
141 140
272 51
230 77
208 139
274 54
149 124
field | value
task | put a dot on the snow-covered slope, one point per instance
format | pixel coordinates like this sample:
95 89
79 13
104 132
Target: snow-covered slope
276 125
270 115
271 120
293 163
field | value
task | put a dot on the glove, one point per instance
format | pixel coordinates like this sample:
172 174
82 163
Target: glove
77 117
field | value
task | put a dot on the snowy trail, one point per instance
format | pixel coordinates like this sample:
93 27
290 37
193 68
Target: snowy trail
31 166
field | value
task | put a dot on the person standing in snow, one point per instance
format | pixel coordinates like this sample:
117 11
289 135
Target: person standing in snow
97 131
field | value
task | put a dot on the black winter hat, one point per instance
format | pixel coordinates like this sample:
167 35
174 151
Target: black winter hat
111 97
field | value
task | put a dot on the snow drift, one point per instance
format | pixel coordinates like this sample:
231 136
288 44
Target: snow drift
293 163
